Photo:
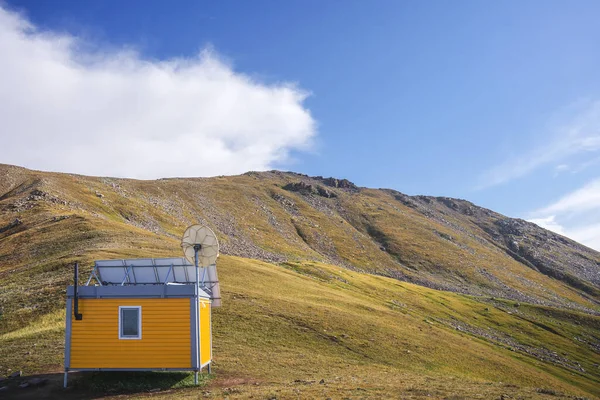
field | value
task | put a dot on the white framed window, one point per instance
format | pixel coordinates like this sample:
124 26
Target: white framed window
130 322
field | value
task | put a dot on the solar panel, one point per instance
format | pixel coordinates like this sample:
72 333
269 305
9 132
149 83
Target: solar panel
157 271
145 271
212 284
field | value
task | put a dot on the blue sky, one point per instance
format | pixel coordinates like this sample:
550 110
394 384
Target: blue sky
495 102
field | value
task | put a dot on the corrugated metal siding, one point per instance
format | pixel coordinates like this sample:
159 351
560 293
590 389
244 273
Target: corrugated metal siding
165 339
205 338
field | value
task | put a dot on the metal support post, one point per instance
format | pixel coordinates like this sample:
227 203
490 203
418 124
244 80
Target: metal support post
197 248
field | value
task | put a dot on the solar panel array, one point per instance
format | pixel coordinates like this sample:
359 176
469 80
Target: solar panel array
145 271
157 271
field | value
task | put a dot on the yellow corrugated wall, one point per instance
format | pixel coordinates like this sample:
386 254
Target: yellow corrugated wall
165 339
205 338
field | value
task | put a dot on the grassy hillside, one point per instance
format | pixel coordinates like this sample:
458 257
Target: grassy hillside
288 327
331 301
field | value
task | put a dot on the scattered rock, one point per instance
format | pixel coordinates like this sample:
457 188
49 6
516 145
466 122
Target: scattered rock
37 194
24 385
303 382
286 203
13 224
98 194
511 344
34 197
547 391
15 374
444 236
3 388
322 382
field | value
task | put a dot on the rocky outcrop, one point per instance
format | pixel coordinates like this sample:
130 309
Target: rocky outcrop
337 183
309 189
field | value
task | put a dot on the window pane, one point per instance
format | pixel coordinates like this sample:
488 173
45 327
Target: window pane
129 321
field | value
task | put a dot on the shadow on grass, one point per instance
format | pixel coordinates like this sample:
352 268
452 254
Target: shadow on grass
131 382
91 385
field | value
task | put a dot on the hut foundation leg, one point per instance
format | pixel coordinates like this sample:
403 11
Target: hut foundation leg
65 380
208 368
195 377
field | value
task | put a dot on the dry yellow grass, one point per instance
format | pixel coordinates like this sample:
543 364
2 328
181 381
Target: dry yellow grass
285 326
283 329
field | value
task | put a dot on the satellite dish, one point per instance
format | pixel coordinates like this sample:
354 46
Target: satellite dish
203 240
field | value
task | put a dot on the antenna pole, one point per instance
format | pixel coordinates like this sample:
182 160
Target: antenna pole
78 316
197 248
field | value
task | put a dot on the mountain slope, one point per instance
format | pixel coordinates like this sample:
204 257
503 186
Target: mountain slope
437 242
329 296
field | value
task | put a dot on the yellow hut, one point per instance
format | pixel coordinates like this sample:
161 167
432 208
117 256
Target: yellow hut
145 314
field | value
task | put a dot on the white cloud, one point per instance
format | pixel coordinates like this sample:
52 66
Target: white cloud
562 167
588 235
580 135
582 166
549 223
114 113
575 215
581 200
